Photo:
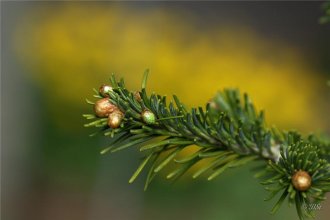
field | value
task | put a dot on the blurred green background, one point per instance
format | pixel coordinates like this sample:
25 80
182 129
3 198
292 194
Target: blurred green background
54 53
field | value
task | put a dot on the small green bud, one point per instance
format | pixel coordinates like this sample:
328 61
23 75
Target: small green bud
148 117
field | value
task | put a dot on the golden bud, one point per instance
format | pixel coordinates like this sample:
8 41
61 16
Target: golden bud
103 107
301 180
115 118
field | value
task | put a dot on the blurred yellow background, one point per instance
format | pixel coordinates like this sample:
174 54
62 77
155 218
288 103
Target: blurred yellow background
63 50
77 47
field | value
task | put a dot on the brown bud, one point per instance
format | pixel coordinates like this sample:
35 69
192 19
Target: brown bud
213 105
137 96
301 180
115 118
104 107
104 90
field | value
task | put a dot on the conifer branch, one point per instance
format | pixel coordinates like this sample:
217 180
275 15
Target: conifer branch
229 132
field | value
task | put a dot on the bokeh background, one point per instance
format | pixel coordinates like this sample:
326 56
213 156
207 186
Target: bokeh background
54 53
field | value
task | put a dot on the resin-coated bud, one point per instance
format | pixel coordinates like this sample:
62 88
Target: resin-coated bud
301 180
104 107
115 119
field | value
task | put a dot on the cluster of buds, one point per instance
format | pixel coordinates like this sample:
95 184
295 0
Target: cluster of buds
104 108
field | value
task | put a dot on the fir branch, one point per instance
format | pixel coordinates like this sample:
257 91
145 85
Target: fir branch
229 132
299 156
